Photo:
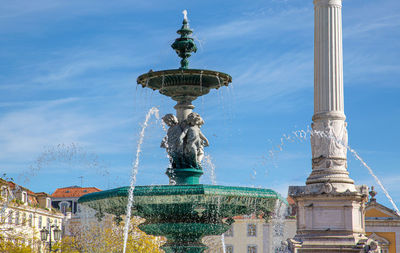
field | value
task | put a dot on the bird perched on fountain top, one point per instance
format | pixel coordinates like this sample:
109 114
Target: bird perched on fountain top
184 141
184 45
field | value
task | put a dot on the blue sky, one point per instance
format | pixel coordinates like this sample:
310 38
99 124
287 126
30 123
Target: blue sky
70 105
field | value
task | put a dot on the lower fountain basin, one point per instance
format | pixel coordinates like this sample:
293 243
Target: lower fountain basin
186 213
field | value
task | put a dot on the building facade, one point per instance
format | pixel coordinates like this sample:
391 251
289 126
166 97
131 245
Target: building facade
24 213
66 199
383 225
251 234
255 235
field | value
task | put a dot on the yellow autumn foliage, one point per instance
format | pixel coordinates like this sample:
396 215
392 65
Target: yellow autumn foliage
107 237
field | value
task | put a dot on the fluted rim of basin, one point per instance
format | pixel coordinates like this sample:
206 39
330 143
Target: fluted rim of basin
208 79
198 189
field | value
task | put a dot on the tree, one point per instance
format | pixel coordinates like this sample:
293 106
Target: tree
11 241
107 237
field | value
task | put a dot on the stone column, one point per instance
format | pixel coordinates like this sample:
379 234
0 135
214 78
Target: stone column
183 108
329 136
330 208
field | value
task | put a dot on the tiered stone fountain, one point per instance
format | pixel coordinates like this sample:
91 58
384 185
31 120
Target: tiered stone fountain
185 211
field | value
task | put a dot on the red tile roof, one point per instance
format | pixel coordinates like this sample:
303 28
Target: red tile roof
73 192
290 200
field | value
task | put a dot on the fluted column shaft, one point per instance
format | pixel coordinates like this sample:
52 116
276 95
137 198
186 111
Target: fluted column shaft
329 136
328 57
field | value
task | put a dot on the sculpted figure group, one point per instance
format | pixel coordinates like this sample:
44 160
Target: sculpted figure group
184 141
329 139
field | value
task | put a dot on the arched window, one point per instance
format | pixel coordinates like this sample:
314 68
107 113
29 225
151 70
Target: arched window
64 207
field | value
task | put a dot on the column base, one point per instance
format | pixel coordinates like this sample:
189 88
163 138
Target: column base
330 218
184 176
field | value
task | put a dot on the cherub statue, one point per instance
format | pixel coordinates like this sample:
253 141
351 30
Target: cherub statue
194 140
172 142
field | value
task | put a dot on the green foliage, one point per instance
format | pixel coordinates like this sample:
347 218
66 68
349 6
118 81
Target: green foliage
19 202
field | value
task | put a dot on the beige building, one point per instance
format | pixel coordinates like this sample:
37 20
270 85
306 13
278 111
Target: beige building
24 213
251 234
255 235
383 225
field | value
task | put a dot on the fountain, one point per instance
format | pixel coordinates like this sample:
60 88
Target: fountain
185 210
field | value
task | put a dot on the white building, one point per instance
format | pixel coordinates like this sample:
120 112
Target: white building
24 213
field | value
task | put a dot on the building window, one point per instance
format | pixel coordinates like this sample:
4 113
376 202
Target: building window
63 207
17 218
228 249
30 220
40 222
251 230
24 197
24 219
48 203
229 233
278 229
48 222
4 192
10 217
251 249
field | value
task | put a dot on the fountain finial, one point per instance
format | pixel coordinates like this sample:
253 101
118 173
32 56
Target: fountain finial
184 14
184 45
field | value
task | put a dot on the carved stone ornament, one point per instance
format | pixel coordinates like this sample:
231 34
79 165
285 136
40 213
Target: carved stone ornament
372 247
329 139
326 188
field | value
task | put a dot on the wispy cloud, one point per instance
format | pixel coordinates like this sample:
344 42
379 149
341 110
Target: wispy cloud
25 132
262 24
378 24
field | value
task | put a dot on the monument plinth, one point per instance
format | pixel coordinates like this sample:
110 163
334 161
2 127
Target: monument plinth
330 208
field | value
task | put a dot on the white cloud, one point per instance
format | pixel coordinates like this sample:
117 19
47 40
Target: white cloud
292 19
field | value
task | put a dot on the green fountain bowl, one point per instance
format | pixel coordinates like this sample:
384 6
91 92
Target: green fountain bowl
197 202
176 83
186 213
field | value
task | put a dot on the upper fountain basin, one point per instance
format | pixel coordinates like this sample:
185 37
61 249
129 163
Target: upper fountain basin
184 83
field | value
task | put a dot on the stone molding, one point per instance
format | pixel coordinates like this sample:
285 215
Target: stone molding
328 189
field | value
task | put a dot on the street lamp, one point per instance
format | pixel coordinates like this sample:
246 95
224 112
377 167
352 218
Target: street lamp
56 233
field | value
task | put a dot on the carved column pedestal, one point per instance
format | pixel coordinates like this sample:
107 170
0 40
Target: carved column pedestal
328 220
